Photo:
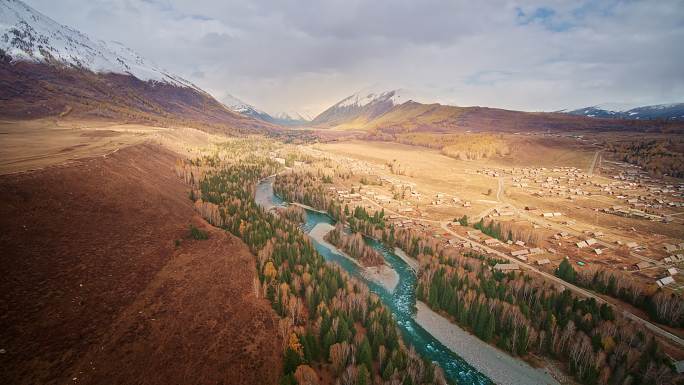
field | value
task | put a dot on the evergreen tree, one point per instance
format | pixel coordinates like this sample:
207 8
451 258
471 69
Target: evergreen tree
363 378
364 356
389 370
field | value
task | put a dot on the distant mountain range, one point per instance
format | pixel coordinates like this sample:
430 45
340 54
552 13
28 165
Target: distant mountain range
396 111
49 69
283 118
674 111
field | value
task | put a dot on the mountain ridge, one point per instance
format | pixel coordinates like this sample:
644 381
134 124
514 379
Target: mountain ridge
49 69
667 111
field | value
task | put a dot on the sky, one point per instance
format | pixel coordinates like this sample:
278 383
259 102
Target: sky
304 56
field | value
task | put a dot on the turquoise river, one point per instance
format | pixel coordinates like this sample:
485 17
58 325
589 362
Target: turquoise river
401 302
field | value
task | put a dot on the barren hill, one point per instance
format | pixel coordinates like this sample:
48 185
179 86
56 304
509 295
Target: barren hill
105 286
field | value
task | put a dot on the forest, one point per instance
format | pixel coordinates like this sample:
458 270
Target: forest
520 313
662 307
333 326
510 231
658 157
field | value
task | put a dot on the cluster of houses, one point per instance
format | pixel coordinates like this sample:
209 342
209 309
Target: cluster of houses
591 243
491 172
523 254
561 181
672 249
632 213
346 195
644 197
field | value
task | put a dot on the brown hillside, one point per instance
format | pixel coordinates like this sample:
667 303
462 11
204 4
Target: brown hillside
34 90
95 290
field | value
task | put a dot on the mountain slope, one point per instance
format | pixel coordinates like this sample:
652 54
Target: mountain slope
49 69
245 109
674 111
103 282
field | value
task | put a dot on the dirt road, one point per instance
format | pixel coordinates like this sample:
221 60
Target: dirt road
654 328
500 189
590 172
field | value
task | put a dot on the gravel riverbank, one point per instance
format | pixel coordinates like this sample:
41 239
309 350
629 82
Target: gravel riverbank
497 365
405 257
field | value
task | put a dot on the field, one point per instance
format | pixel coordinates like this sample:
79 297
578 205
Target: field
103 283
434 172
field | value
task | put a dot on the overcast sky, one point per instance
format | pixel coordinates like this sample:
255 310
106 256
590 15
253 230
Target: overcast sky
284 55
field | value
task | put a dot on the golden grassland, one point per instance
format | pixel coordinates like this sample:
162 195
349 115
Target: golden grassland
432 171
35 144
408 117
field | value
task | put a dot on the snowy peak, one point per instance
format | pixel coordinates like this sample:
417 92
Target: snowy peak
364 105
243 108
673 111
283 118
28 35
364 98
293 116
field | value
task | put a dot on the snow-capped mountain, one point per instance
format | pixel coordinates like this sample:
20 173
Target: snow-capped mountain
49 69
28 35
246 109
293 115
292 118
362 105
674 111
282 118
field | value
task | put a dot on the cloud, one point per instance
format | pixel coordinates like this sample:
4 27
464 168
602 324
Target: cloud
294 55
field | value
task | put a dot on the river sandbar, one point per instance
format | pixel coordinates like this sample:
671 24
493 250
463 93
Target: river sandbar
383 275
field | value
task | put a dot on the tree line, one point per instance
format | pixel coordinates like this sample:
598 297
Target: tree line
662 307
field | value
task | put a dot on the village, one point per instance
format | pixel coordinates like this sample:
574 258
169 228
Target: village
588 218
